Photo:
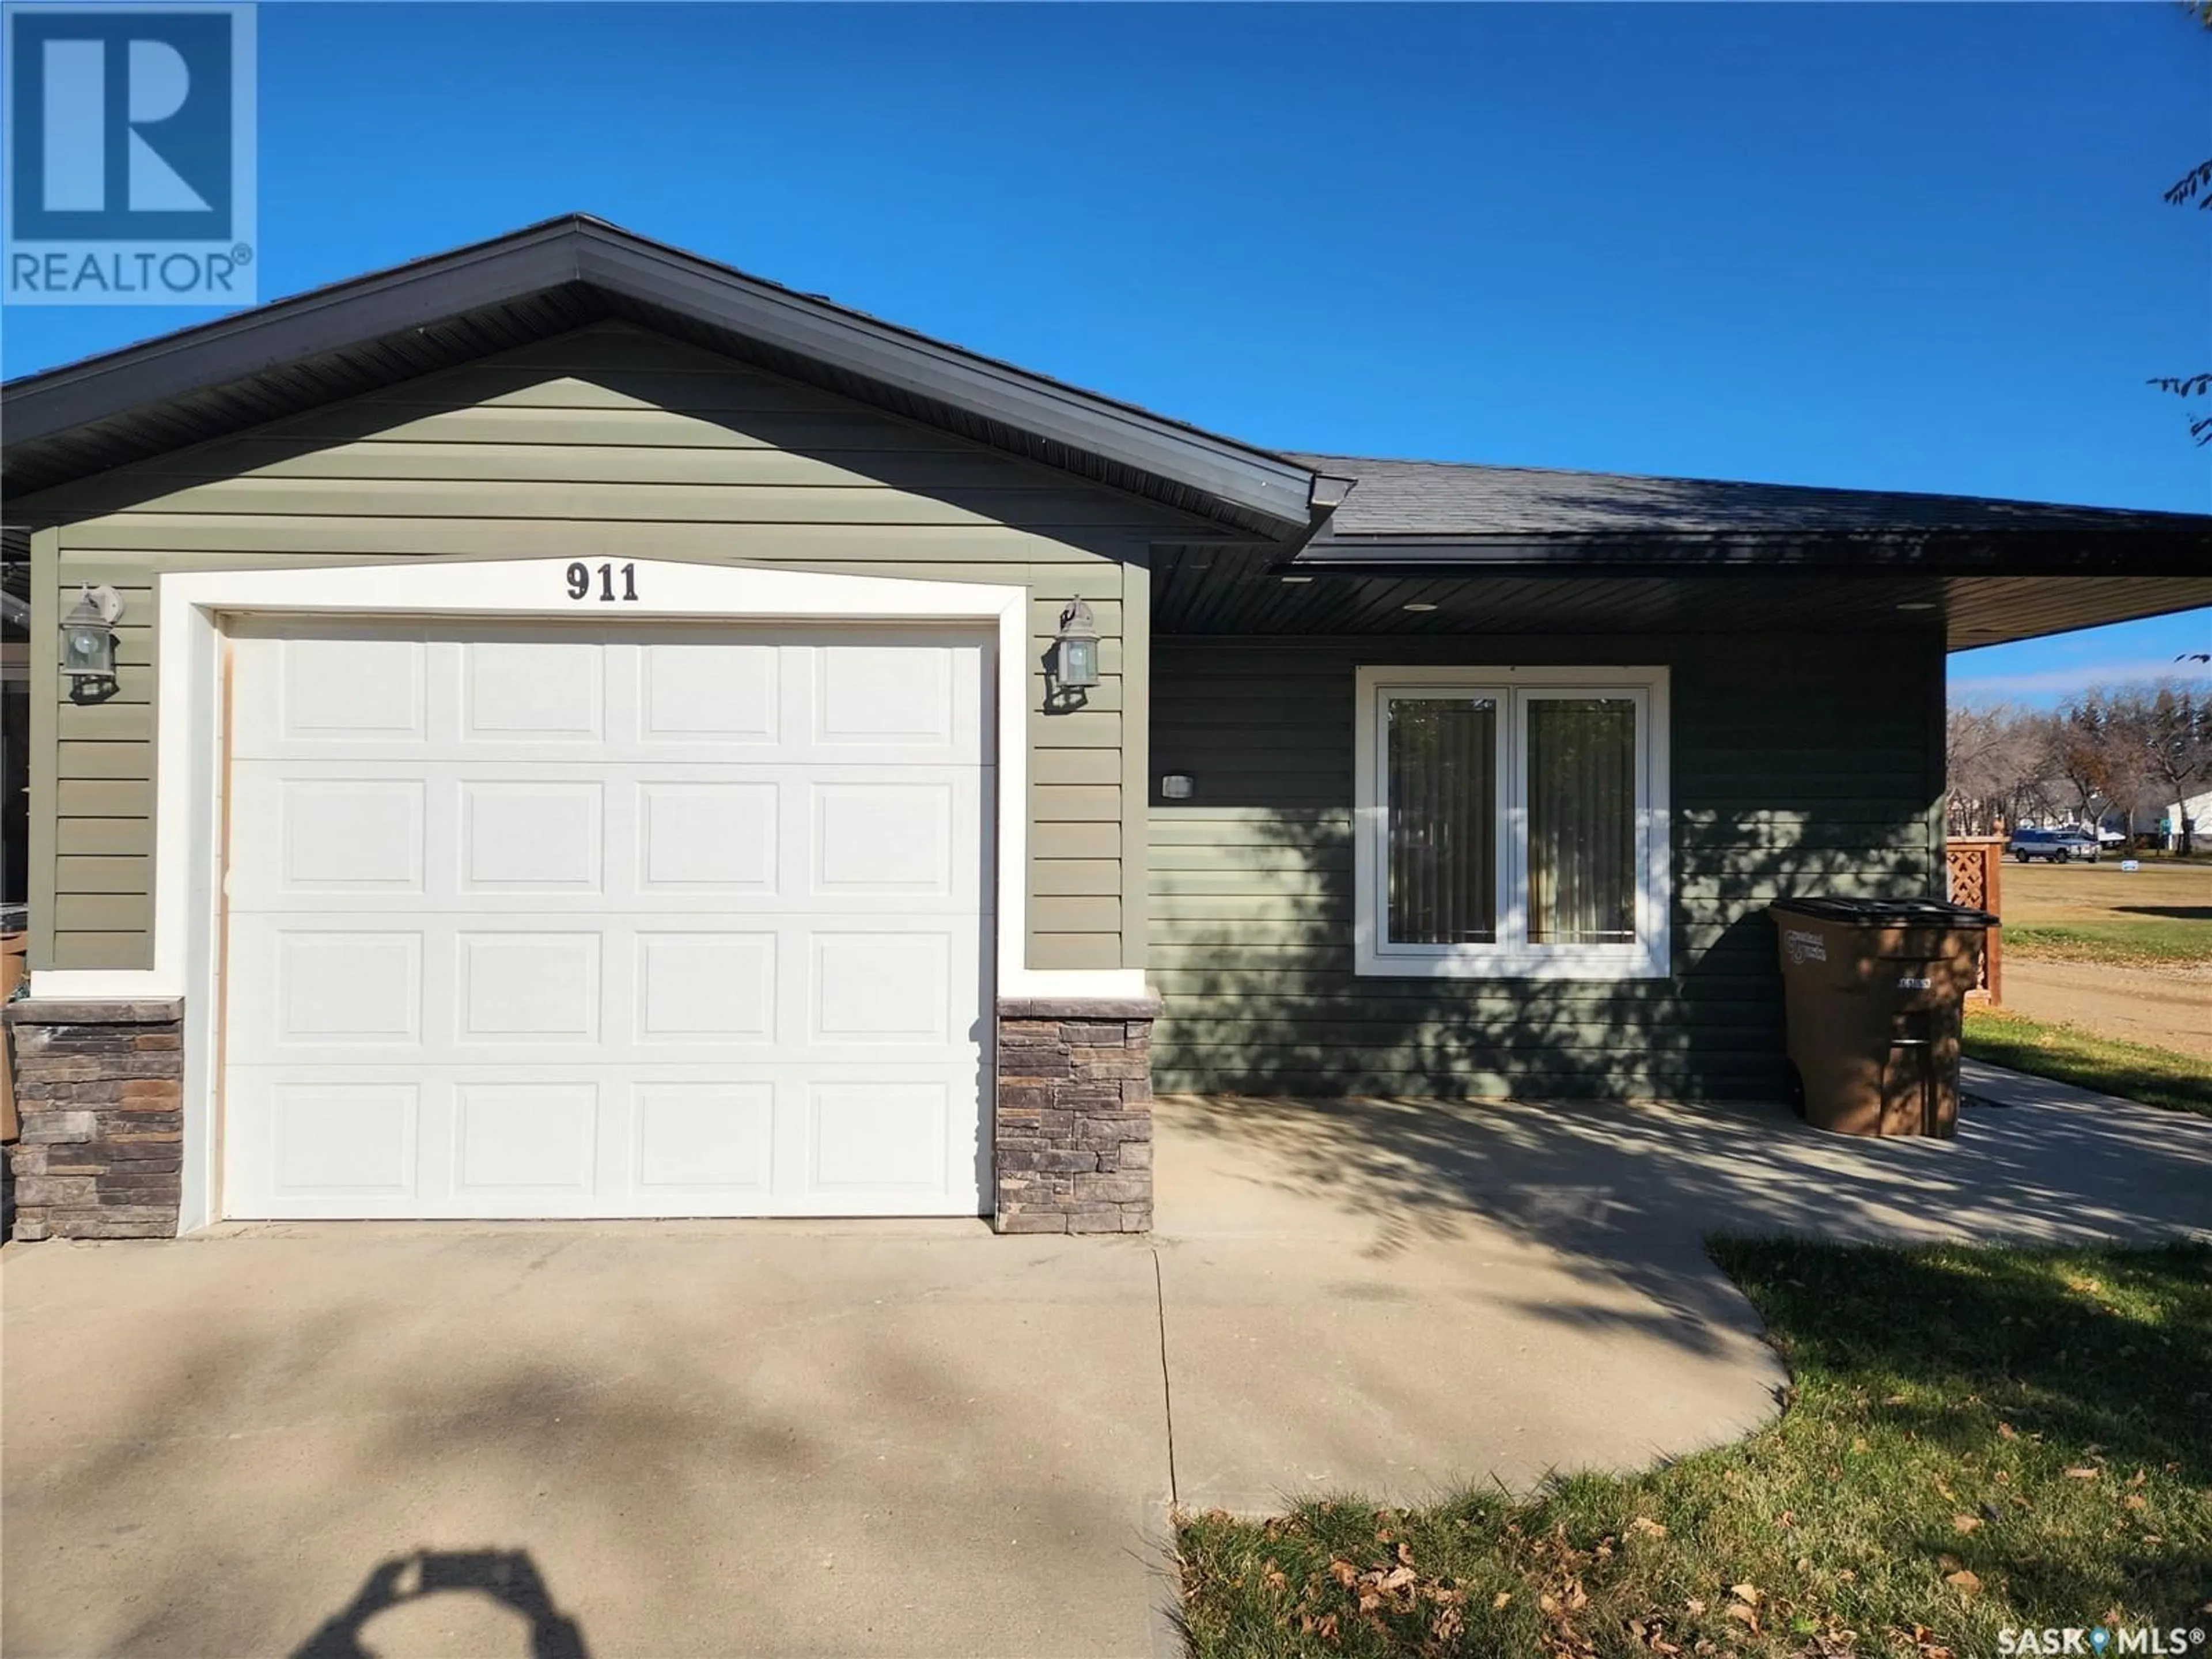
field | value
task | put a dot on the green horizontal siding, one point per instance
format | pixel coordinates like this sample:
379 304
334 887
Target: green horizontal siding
609 442
1799 765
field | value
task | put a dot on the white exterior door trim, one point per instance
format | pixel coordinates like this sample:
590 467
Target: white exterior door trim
188 785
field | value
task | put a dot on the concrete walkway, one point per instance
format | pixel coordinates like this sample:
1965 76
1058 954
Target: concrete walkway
771 1439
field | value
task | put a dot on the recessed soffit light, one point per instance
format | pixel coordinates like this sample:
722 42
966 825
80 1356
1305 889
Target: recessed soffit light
1420 604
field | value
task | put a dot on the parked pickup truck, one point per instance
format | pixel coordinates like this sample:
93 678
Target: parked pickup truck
2056 845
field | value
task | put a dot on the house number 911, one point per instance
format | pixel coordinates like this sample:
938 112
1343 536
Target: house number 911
580 582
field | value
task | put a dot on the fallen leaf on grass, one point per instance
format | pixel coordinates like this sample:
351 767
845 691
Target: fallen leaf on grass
2136 1501
1748 1594
1966 1523
1648 1527
1500 1599
1344 1572
2083 1475
1745 1612
1964 1582
2006 1432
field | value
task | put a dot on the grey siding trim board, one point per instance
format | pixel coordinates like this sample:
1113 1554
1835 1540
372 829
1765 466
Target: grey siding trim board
1800 764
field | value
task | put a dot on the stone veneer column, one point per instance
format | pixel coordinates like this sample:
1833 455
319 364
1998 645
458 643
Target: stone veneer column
1074 1138
99 1087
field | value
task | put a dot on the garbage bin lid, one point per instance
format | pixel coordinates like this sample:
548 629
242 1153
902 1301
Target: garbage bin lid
1888 913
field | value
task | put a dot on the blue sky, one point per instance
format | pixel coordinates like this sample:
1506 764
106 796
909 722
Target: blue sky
1915 247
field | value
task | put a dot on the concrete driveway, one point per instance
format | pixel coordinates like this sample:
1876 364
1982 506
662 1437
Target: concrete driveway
770 1439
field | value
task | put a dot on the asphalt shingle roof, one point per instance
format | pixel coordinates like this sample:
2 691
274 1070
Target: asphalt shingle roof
1397 499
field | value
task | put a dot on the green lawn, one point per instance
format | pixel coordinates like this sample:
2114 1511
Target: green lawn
1979 1438
2144 943
2156 1077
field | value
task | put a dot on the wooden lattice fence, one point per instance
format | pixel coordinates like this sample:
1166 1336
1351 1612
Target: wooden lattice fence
1975 863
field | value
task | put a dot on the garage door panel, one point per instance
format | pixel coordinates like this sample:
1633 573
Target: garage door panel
522 836
694 693
701 985
542 836
332 987
873 1138
517 1139
533 1141
348 987
349 835
351 691
533 691
573 922
528 985
697 836
609 694
711 1141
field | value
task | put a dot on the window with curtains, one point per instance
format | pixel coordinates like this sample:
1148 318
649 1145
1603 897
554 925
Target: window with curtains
1512 822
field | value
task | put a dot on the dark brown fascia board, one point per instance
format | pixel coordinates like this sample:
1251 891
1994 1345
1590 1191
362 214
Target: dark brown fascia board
2131 546
308 325
578 250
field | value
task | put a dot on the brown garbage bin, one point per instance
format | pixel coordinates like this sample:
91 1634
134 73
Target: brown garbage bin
1874 994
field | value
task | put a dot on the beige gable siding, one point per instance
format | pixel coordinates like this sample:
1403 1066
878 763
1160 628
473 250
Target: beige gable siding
612 442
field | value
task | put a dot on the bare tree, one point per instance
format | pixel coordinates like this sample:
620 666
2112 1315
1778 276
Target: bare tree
1995 767
2168 725
2077 751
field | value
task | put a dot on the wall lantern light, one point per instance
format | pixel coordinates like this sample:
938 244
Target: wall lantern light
1075 664
88 638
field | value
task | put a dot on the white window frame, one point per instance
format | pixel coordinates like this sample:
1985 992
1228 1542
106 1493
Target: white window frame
1512 957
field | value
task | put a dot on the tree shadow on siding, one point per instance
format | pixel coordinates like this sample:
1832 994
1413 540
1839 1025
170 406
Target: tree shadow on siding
1274 1007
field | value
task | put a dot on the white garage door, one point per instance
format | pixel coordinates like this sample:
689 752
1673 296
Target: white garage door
542 921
